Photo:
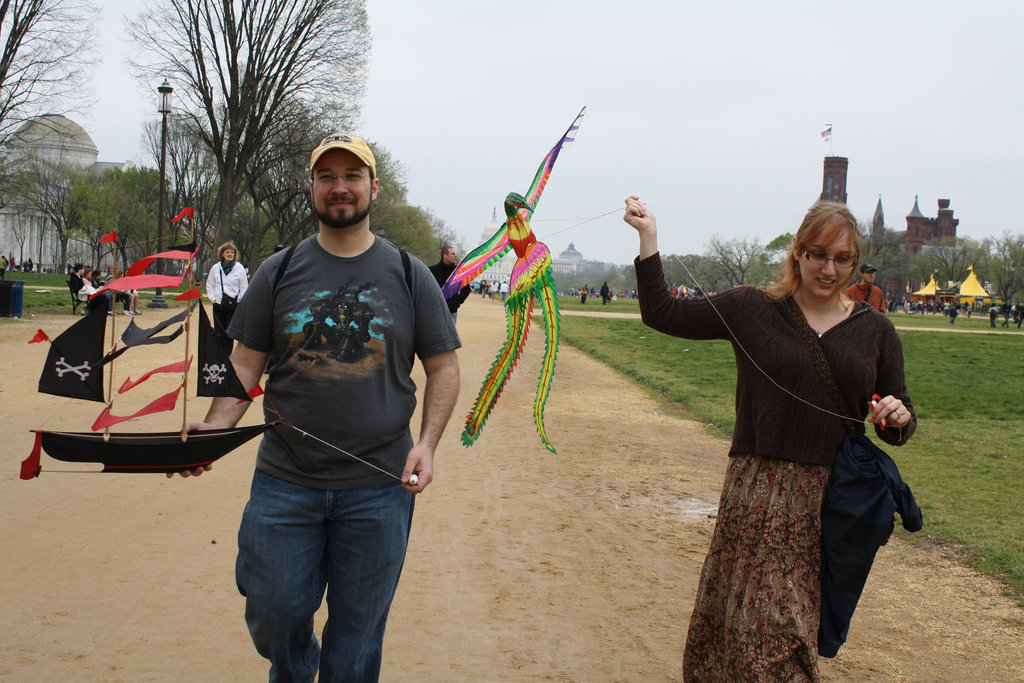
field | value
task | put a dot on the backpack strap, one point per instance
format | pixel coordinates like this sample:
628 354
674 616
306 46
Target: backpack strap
280 271
407 267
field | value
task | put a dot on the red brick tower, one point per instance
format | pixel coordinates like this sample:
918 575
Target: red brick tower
833 183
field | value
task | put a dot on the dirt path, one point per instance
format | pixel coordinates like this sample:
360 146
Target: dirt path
524 565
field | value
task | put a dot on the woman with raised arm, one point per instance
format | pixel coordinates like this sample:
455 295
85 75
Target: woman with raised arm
758 605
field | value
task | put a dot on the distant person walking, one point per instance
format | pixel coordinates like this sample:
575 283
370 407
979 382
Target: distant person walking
606 294
442 270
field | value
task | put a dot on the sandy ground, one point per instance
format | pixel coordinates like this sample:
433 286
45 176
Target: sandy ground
523 565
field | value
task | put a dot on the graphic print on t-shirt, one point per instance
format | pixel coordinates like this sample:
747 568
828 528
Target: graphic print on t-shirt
340 334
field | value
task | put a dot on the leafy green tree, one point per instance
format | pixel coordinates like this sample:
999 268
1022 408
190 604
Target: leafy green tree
1006 268
96 198
740 261
138 195
45 189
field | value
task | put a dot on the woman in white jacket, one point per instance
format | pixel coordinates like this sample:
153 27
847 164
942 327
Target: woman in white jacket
225 285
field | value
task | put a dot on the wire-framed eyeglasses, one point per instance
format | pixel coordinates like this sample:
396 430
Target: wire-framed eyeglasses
330 179
819 259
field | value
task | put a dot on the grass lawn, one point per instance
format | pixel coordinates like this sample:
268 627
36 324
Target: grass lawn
44 293
965 464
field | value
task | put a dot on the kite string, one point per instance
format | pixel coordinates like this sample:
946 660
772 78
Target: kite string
750 358
287 423
575 225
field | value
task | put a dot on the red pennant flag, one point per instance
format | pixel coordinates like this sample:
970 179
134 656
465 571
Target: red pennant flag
140 266
180 366
193 293
187 211
40 337
163 404
30 467
109 237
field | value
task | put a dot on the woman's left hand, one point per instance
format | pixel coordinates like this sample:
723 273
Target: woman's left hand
890 411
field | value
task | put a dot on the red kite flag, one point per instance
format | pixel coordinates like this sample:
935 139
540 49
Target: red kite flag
109 237
40 337
193 293
187 211
162 405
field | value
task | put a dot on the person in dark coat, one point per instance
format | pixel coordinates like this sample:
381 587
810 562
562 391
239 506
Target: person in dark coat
442 270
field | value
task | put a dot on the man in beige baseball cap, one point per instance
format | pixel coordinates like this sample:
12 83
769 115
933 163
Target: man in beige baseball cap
329 517
349 143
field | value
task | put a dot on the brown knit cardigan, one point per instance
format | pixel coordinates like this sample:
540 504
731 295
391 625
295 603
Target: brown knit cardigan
864 352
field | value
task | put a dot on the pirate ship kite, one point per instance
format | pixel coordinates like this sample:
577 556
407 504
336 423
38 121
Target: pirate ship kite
81 361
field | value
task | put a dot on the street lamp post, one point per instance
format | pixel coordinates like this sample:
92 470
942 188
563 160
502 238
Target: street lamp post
165 91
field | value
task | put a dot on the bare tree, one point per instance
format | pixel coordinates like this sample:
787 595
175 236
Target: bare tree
191 182
46 58
950 258
738 259
242 66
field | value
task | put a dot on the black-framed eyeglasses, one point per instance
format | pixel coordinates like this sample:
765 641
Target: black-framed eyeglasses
819 259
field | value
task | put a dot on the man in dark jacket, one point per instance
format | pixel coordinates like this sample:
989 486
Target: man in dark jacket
442 270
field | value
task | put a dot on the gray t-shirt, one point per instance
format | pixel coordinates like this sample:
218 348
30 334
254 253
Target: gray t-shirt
342 332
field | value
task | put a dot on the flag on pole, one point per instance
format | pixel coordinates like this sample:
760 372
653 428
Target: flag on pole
187 211
827 133
109 237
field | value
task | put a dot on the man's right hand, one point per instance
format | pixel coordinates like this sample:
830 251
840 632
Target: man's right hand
189 428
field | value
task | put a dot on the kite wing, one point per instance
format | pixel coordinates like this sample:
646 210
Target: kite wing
544 172
491 251
477 261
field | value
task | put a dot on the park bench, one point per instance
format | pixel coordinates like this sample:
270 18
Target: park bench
75 302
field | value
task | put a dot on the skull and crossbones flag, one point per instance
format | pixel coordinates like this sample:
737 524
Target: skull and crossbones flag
216 373
73 366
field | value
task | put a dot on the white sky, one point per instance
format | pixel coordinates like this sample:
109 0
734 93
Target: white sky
711 112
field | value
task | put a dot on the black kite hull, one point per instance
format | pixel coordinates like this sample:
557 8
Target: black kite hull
152 452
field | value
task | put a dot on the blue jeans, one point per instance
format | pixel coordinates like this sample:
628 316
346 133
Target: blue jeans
296 542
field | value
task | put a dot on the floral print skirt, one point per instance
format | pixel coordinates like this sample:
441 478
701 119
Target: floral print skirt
758 605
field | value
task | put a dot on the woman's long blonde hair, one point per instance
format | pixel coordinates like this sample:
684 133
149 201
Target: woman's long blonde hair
824 223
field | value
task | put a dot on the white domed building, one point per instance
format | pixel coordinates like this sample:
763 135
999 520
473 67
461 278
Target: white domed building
51 139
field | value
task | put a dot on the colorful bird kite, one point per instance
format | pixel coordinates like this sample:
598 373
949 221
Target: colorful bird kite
531 280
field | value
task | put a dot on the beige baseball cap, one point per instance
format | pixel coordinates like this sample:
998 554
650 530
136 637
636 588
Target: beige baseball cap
349 143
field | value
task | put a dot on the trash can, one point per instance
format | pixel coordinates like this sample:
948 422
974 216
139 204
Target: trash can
12 298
